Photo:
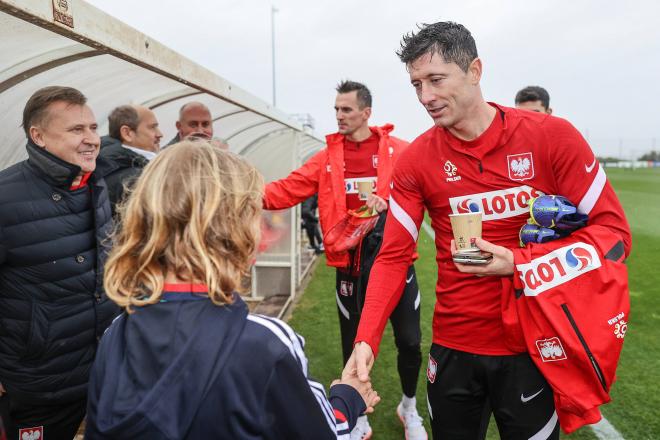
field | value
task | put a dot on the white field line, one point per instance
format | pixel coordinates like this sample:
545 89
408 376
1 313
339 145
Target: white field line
429 230
603 429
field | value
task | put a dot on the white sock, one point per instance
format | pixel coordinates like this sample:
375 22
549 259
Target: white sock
409 402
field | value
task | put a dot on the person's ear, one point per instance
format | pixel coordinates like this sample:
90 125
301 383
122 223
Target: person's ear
549 110
475 69
367 112
37 136
125 133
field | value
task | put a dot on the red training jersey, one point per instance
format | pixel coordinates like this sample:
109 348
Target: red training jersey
521 155
360 165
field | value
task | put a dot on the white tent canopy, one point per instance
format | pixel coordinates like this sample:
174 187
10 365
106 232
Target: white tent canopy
113 64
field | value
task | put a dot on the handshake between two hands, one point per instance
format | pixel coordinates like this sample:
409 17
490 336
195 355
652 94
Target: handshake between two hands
356 375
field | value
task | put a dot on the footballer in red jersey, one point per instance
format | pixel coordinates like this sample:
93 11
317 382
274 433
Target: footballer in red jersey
484 157
355 155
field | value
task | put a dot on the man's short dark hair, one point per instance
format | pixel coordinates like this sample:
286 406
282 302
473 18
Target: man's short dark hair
35 112
534 93
450 40
122 115
363 93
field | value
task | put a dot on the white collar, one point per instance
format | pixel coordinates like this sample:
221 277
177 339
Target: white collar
147 154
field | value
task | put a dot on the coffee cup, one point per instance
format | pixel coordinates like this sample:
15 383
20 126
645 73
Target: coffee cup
466 228
364 189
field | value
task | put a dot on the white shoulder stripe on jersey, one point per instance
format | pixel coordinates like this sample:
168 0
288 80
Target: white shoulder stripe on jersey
593 193
277 331
298 344
402 217
288 337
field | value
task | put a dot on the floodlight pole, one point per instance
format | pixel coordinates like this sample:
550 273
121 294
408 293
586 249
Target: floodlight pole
273 10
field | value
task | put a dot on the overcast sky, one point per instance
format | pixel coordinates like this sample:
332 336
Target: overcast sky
600 60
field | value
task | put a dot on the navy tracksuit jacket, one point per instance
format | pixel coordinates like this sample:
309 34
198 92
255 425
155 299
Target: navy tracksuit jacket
185 368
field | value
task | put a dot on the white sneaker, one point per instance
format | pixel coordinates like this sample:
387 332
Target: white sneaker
362 430
412 423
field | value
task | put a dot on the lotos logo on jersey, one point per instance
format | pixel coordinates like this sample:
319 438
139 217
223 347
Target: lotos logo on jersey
578 258
466 206
521 166
558 267
551 349
496 205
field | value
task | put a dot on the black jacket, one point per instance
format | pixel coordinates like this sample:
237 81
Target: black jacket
52 306
184 368
175 140
119 167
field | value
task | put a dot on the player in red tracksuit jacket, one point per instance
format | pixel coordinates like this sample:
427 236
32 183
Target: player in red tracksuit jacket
479 156
359 153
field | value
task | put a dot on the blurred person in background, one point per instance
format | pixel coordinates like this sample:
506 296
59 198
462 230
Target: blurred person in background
534 98
311 223
194 121
120 163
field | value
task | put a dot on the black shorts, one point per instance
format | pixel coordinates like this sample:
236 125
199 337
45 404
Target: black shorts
464 388
23 420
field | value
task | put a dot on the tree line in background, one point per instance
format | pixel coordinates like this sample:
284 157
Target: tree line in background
652 156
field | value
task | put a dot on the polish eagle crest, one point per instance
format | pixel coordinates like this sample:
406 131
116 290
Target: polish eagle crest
521 166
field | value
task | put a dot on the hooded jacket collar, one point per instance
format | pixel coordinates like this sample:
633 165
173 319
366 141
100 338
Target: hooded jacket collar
337 139
56 171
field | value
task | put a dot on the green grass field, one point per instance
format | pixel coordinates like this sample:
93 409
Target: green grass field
635 410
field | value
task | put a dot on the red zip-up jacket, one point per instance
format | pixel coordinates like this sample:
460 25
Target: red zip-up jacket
324 173
570 306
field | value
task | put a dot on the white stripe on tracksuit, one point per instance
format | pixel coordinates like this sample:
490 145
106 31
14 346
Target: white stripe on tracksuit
402 217
295 343
593 193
